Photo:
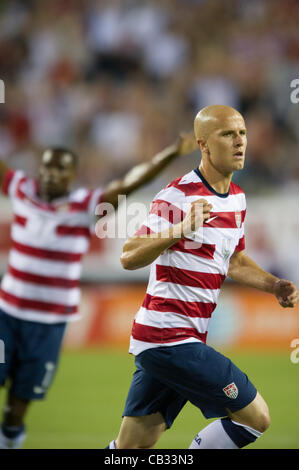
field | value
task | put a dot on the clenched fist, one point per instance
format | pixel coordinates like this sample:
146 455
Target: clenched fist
286 293
197 215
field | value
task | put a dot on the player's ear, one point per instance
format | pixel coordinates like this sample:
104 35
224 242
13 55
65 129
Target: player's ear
203 145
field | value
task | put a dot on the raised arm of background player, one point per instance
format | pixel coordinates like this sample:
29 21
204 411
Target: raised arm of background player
139 174
3 169
145 172
140 251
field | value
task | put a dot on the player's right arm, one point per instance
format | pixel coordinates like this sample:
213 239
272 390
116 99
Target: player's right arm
3 169
142 250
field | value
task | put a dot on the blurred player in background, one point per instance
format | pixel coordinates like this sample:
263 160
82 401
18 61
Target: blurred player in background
198 227
40 293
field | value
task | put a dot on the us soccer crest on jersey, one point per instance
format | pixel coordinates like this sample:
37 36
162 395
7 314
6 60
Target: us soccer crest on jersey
231 390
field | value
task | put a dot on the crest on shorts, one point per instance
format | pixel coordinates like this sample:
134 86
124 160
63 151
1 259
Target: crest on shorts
238 219
231 390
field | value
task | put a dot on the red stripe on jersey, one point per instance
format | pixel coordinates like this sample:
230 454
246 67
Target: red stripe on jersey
190 246
226 219
49 254
174 182
186 277
37 305
46 281
192 189
73 231
8 176
19 220
83 205
190 309
235 189
167 211
241 245
152 334
144 230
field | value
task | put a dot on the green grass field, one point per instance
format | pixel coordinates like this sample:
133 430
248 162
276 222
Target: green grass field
83 408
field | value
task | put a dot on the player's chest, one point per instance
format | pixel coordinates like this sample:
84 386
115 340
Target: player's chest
49 220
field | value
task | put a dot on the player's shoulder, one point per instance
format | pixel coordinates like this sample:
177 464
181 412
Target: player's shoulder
179 187
79 194
16 184
85 199
184 180
235 189
171 193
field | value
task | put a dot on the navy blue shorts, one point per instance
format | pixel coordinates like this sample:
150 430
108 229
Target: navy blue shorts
167 377
31 352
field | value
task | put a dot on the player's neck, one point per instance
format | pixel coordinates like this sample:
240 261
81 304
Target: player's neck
217 180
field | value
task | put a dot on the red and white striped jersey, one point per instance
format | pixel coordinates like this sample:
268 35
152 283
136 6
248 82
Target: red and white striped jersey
185 280
48 241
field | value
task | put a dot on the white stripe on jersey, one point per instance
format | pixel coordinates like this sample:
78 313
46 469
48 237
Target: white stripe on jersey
43 267
18 175
38 215
137 346
180 292
236 202
170 320
78 244
32 315
181 260
44 293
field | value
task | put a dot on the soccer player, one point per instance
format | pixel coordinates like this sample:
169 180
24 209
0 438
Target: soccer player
39 294
194 237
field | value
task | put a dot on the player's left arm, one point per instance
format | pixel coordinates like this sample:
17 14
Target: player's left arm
145 172
244 270
3 170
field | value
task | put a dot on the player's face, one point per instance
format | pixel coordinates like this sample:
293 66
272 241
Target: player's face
226 144
56 173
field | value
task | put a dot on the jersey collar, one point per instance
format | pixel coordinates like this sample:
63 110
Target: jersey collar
223 195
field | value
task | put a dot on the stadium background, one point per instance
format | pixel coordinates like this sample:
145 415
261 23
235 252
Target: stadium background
117 81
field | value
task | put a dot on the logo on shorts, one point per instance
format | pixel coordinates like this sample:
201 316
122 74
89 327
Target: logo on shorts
231 390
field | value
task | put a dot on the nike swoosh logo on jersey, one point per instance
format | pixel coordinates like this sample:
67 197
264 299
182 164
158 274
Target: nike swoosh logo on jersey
210 220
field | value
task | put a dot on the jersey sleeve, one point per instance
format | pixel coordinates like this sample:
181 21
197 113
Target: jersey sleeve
167 209
11 182
241 244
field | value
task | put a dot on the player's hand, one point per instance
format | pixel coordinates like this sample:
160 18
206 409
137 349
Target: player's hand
199 213
286 293
186 143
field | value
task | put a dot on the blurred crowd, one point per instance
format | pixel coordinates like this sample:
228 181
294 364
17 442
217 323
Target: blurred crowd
117 80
